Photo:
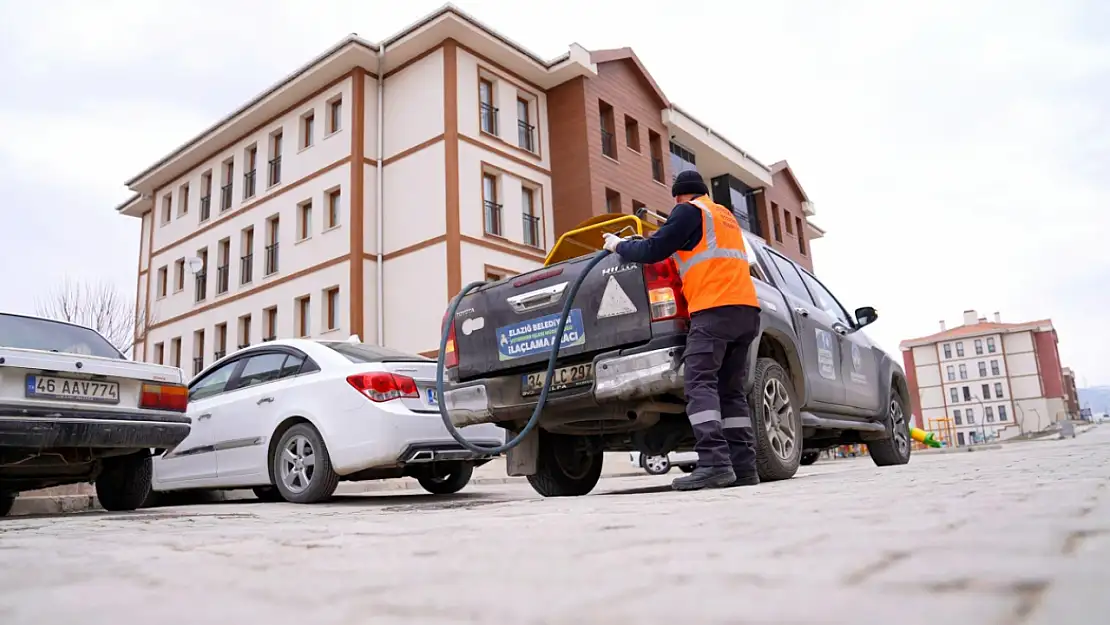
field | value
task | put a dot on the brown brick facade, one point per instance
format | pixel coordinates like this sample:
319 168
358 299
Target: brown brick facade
782 217
582 175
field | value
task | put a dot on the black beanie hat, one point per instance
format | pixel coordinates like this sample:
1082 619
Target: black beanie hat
688 182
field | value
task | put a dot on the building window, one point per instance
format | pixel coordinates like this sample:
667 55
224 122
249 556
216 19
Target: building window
491 207
986 391
206 195
163 281
244 331
994 367
331 308
988 413
957 418
612 201
947 350
304 220
525 129
990 345
776 225
246 261
335 115
221 342
801 236
954 393
1002 413
200 279
308 127
789 221
960 349
183 200
960 438
531 219
304 322
333 208
632 133
269 330
655 144
982 369
179 275
198 352
681 159
608 123
252 170
273 173
998 390
951 373
223 265
167 209
970 416
487 112
159 353
637 206
978 347
272 225
175 352
228 182
967 393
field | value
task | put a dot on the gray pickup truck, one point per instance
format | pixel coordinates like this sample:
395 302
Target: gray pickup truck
815 380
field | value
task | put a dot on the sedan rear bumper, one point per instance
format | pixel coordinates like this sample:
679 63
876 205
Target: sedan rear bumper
44 428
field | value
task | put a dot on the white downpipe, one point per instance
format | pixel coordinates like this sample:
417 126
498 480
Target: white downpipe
381 196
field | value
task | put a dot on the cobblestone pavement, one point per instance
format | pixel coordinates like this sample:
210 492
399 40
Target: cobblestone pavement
1017 535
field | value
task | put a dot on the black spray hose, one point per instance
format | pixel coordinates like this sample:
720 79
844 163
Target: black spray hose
550 362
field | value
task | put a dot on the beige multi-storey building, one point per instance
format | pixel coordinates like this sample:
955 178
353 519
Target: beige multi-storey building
986 379
363 191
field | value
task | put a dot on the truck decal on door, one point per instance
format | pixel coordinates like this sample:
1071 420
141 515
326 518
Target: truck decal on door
536 336
826 362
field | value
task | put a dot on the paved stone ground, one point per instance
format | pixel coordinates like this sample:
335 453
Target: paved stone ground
1017 535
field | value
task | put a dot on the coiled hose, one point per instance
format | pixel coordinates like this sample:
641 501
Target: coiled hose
551 360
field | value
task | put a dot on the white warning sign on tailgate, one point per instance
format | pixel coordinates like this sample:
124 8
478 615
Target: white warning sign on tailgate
614 301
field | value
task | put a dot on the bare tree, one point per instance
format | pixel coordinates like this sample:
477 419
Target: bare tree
98 305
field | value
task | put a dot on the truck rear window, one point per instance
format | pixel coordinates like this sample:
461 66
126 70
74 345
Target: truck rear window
53 336
361 353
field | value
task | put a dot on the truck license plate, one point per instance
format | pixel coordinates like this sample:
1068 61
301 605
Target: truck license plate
563 378
47 387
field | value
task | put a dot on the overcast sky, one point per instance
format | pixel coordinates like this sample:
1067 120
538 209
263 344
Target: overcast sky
958 152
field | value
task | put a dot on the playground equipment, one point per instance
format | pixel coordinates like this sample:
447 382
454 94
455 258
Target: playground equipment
925 438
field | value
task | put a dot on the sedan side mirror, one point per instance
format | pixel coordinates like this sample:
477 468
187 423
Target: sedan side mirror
866 315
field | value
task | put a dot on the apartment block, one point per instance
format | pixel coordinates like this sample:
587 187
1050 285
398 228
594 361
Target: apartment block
359 194
984 379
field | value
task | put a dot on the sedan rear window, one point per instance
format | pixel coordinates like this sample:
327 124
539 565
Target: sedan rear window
362 353
53 336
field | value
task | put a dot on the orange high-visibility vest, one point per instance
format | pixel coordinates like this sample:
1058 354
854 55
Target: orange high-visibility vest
715 273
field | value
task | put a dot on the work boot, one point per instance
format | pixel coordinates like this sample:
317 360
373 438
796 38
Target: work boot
705 477
745 479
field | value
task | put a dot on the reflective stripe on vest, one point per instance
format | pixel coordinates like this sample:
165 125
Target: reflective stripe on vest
711 250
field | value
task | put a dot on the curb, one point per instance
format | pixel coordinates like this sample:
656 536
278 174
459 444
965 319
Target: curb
61 504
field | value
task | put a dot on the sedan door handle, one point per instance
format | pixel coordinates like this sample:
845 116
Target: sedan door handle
802 311
265 400
207 415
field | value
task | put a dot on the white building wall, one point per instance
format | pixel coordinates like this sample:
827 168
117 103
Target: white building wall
415 298
370 123
415 200
506 90
414 104
511 177
924 355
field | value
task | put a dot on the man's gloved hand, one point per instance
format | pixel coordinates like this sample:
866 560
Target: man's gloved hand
611 241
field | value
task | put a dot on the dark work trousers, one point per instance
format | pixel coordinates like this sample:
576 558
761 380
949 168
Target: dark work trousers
716 360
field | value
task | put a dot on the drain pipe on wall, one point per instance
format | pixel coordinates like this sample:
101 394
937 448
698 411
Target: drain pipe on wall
381 196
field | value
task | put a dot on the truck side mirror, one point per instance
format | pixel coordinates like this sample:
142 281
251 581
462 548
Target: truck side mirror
866 315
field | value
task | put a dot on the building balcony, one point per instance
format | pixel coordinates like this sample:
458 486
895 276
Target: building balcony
715 154
248 184
531 230
201 286
492 217
526 135
218 355
246 269
205 207
225 197
198 365
222 274
271 259
274 174
657 169
487 115
608 144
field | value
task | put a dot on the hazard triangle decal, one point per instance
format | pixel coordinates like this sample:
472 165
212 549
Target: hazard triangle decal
614 302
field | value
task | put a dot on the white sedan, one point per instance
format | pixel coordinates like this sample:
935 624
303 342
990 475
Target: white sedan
291 418
658 465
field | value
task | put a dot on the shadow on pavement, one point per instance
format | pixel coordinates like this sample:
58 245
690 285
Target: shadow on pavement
642 490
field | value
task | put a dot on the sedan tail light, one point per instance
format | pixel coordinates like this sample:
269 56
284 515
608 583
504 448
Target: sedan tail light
451 354
380 386
164 397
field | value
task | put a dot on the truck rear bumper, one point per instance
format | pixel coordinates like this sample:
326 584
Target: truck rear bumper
51 428
619 378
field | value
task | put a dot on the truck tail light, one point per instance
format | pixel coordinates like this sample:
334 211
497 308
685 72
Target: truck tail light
451 356
664 287
164 397
381 386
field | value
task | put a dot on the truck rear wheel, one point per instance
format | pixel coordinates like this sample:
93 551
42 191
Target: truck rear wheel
777 422
567 466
